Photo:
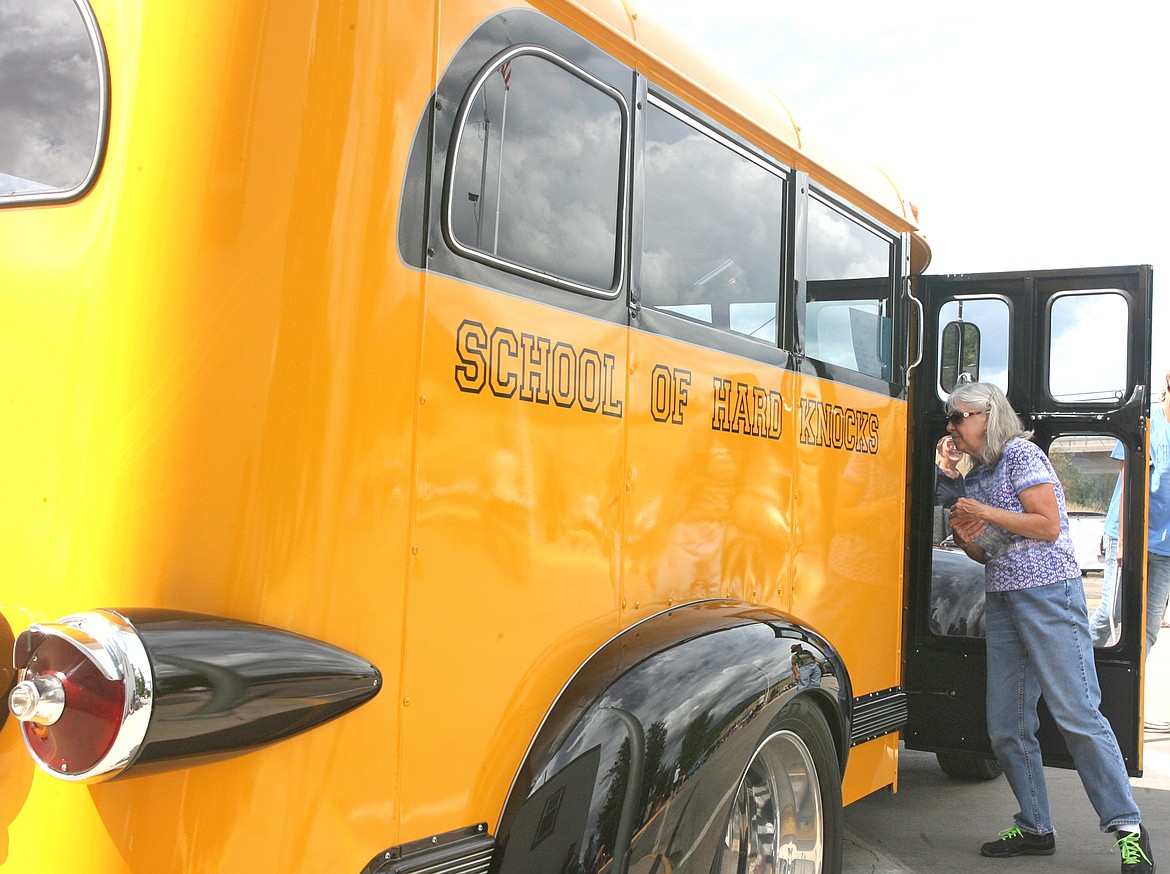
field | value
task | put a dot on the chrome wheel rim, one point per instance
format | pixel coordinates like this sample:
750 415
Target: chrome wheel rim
776 824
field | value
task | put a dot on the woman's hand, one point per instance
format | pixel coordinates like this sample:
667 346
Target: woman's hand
967 519
971 507
965 528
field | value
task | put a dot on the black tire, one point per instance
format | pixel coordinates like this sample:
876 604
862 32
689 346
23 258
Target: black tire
968 766
778 813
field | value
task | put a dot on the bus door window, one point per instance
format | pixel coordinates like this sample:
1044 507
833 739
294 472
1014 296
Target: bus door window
538 172
974 334
1088 470
849 315
54 117
1087 346
712 229
1088 339
973 346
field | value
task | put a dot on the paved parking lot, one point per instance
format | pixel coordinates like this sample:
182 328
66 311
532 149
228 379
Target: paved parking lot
936 823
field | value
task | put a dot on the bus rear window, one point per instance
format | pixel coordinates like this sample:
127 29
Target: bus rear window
53 99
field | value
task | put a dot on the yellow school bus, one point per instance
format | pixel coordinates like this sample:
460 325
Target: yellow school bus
446 435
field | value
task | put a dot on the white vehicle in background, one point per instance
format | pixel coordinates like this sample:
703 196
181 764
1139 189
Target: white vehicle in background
1087 529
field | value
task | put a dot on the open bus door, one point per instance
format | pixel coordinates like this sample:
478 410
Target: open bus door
1071 349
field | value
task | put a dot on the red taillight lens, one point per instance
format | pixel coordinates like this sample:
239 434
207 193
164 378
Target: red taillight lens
84 732
83 696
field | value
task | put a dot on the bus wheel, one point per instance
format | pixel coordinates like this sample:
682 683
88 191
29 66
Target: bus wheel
968 766
786 815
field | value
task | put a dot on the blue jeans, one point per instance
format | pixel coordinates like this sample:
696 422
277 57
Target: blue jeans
1157 592
1038 644
1107 616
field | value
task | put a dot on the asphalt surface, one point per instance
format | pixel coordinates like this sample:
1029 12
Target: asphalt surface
936 823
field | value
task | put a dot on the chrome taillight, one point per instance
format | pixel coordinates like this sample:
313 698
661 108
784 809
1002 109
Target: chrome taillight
83 694
108 692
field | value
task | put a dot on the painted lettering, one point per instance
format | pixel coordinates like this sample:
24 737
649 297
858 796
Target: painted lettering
535 369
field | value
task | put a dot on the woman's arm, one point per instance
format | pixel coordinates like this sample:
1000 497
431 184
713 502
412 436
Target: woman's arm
1039 521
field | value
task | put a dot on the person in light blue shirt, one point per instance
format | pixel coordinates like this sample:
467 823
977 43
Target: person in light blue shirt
1107 615
1158 543
1106 619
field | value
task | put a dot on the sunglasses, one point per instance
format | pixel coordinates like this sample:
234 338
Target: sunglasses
959 416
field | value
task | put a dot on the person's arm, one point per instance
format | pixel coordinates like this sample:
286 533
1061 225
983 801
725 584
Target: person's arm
1039 521
1121 515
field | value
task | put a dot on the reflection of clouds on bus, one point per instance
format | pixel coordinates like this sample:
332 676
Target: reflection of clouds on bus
849 286
836 251
836 73
48 94
549 119
697 193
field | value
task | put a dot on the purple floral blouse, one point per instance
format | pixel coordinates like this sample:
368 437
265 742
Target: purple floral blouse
1026 563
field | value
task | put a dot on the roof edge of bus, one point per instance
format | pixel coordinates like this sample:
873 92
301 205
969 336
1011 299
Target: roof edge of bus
745 105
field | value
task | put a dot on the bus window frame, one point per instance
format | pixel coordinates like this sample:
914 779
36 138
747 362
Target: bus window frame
673 322
665 323
897 383
58 196
1044 386
621 246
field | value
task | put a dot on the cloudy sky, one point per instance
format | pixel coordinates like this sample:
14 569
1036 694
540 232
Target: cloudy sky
1031 135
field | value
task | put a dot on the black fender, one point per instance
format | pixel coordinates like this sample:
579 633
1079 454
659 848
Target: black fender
640 755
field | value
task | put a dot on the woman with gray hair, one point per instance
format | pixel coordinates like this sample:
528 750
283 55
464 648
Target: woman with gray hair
1013 520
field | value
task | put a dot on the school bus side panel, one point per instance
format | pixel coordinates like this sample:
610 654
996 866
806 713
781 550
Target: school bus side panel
848 544
516 541
210 389
710 478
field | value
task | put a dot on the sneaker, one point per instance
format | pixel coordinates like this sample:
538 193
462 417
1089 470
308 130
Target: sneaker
1136 855
1013 842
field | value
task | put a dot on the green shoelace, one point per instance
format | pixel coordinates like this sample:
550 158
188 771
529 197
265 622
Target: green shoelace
1131 850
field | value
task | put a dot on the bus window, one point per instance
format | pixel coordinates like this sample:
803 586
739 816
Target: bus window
1086 349
849 320
538 171
711 244
1089 468
52 100
963 321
